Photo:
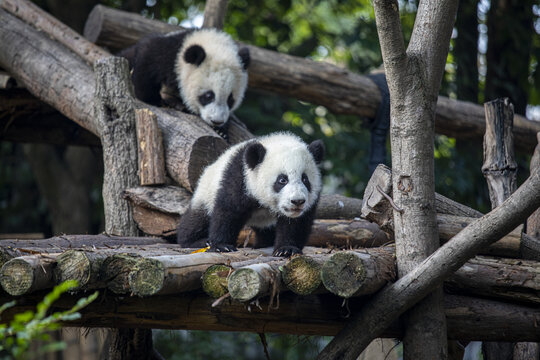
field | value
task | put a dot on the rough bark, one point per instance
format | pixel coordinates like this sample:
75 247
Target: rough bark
468 318
414 77
214 13
505 279
115 111
150 149
500 167
500 171
533 222
340 90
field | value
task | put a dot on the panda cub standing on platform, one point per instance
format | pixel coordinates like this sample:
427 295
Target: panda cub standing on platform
204 67
271 184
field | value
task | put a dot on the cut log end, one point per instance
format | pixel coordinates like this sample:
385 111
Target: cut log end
116 269
92 27
17 277
147 278
214 280
343 274
246 284
302 275
73 265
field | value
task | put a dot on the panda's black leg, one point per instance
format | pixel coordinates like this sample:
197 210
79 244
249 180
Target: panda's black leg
264 237
225 225
193 228
292 234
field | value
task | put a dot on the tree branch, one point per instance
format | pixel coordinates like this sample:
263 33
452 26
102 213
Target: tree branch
393 300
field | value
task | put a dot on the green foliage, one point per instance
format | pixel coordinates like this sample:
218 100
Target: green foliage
16 338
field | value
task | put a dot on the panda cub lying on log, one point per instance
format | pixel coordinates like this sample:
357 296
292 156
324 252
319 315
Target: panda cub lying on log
203 66
271 184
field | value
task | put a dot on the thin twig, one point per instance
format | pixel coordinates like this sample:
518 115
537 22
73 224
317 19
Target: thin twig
389 199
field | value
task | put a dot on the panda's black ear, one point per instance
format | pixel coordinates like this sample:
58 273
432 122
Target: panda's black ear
316 148
194 54
254 154
245 58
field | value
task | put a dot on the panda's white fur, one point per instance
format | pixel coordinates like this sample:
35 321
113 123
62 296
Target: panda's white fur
285 154
221 71
179 68
271 183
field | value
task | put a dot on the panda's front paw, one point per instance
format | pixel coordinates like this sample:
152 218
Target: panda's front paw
287 251
222 248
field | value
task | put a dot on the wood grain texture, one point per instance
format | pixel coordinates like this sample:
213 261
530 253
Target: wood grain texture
150 149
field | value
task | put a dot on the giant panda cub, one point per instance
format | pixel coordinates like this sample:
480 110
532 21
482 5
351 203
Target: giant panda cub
202 67
271 184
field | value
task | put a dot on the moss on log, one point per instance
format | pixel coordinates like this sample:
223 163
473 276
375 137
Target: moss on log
27 274
214 280
302 274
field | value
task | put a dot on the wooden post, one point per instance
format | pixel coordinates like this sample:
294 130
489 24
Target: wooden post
150 141
115 108
500 171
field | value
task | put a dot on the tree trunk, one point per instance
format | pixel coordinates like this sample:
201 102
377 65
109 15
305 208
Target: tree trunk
394 299
214 13
414 78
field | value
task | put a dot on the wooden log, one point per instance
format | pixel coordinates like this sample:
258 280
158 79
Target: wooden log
357 273
505 279
26 274
81 241
115 271
468 318
338 89
500 167
338 207
161 275
115 110
533 222
214 13
83 266
215 280
302 274
508 245
43 21
150 148
168 199
257 280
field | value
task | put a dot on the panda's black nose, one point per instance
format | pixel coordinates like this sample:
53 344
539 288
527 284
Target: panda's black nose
298 202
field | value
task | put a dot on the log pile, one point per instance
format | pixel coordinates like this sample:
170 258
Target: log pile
147 270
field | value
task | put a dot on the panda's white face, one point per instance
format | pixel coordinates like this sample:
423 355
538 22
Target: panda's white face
285 177
212 76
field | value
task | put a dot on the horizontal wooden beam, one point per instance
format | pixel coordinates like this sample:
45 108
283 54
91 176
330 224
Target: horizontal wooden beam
468 318
340 90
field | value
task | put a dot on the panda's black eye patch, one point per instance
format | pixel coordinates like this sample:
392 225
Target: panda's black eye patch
207 97
230 101
306 182
280 183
